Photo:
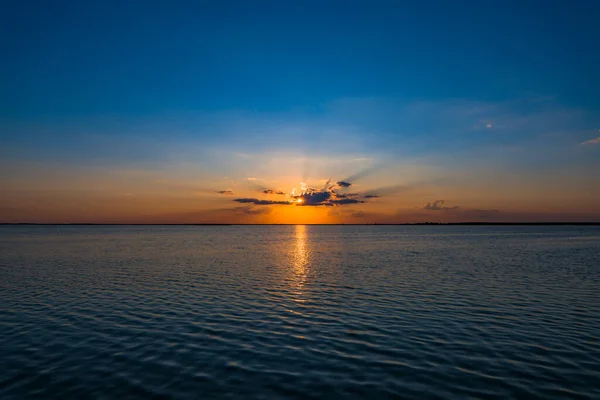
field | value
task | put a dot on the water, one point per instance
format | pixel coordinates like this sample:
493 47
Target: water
299 312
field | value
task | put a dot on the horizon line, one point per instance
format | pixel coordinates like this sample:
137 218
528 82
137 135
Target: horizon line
271 224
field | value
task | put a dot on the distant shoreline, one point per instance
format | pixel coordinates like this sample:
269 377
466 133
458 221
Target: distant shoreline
377 224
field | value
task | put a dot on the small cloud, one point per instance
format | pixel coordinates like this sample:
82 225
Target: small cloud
273 191
371 196
489 126
259 202
345 201
438 205
252 179
593 141
344 184
227 192
345 195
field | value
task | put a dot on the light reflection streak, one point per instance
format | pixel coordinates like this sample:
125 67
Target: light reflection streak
300 262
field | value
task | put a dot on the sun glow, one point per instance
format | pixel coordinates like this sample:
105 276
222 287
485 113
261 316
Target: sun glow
299 201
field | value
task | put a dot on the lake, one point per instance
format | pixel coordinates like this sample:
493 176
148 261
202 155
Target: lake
267 312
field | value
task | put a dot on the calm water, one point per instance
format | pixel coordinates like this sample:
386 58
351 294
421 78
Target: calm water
299 312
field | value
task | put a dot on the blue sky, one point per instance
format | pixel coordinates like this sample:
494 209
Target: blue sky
454 85
138 58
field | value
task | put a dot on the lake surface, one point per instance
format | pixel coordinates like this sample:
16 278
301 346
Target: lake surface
272 312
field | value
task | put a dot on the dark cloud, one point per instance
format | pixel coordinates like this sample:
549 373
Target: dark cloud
438 205
345 201
459 214
259 202
273 191
326 198
345 195
325 204
331 194
227 192
315 198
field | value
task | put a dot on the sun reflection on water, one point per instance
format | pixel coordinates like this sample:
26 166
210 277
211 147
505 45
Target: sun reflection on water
300 262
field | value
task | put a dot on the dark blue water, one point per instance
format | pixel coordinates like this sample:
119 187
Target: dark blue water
299 312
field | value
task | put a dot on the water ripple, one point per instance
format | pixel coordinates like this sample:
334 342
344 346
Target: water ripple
299 312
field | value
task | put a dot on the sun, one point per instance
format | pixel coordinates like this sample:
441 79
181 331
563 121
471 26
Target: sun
299 201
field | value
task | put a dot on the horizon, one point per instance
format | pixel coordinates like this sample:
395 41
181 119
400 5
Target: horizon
308 224
300 113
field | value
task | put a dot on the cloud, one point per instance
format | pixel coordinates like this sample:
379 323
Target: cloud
260 186
315 198
273 191
308 196
438 205
345 201
259 202
327 197
331 193
593 141
228 192
345 195
464 214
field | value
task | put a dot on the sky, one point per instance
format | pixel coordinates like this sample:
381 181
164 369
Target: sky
299 111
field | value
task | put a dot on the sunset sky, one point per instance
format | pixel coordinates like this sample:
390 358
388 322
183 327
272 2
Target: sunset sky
299 111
